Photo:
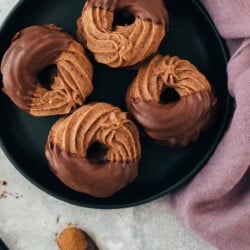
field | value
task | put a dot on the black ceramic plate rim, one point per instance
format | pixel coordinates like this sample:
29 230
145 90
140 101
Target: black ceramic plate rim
184 180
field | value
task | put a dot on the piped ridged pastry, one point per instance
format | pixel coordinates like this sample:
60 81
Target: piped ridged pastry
177 122
32 50
95 150
122 45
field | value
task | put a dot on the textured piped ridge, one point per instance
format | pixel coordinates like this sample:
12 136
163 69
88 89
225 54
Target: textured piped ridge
32 50
118 46
177 123
98 122
71 137
167 72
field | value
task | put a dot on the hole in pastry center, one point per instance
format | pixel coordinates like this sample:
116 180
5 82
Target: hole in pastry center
169 95
47 75
97 153
123 18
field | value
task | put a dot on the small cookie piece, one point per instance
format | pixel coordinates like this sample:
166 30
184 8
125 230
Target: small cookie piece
122 45
95 150
34 49
181 121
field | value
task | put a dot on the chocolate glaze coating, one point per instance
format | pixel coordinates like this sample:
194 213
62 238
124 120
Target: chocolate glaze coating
148 10
178 123
82 175
32 49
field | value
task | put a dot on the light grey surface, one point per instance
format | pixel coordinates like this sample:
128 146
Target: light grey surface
29 218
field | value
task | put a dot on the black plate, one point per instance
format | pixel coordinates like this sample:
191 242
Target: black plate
192 36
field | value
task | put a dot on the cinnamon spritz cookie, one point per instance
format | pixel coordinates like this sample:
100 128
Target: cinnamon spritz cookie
126 44
95 150
34 49
172 100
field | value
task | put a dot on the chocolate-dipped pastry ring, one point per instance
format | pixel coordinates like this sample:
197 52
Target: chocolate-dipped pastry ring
95 150
175 123
34 49
121 46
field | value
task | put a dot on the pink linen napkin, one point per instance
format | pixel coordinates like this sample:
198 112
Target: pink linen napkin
216 204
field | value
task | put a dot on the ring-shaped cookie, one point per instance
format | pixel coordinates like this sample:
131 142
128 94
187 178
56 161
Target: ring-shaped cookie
175 123
108 168
34 49
122 45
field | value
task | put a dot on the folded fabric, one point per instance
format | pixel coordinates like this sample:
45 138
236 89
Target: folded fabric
216 204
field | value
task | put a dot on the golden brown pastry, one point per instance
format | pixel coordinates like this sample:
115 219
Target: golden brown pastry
122 45
34 49
175 123
95 150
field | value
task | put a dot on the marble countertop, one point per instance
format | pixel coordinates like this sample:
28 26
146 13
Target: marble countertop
30 219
